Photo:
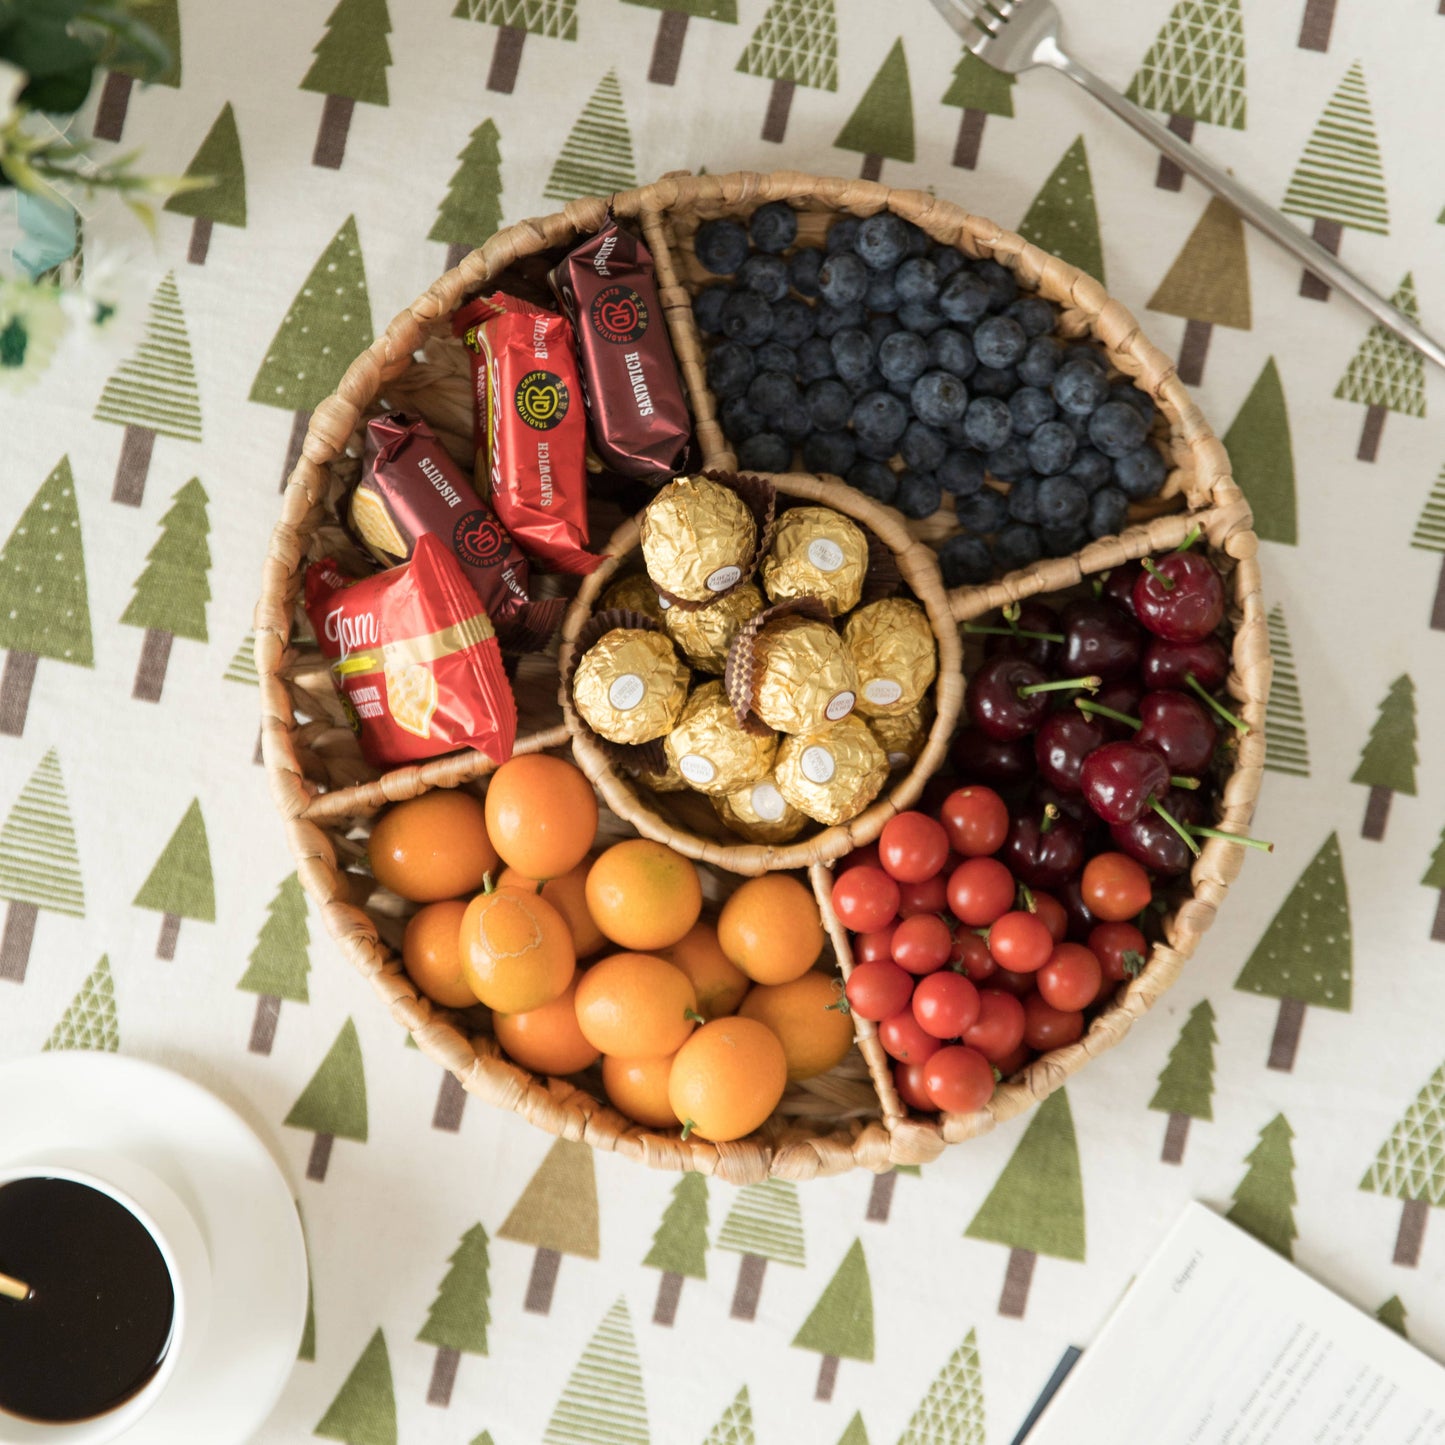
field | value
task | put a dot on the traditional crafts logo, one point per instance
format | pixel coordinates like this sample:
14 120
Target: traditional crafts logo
619 314
477 539
542 399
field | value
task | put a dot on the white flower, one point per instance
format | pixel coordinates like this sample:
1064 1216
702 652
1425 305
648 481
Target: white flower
32 324
12 82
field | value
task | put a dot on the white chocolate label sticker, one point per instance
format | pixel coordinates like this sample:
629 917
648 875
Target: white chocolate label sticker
696 768
883 691
817 764
768 803
723 578
626 692
825 555
839 706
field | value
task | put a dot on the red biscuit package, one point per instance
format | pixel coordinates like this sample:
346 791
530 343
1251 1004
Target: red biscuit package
414 658
529 422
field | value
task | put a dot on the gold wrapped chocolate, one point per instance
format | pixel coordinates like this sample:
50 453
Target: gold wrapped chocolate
894 651
705 633
669 780
634 593
820 553
831 774
630 685
760 813
711 749
698 538
803 676
902 737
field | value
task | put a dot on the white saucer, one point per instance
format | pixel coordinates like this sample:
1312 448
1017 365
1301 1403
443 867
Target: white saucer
242 1205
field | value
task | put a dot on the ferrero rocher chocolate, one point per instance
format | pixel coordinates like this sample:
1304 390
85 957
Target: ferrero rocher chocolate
635 593
669 780
893 649
705 633
902 737
803 676
630 685
711 749
760 813
816 552
698 538
831 774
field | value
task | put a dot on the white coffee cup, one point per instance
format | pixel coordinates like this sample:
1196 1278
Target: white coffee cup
171 1224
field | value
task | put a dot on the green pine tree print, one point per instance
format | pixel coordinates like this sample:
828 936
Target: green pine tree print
1392 1315
672 31
1386 374
735 1424
472 208
242 666
223 202
855 1434
796 44
39 865
1411 1166
764 1224
841 1324
951 1413
279 962
1262 458
1037 1205
516 20
1186 1086
90 1021
458 1318
153 393
351 63
485 1438
364 1410
679 1247
44 604
1387 762
164 19
1287 748
603 1398
172 592
979 91
1306 955
1062 218
1264 1199
333 1103
881 126
557 1215
1429 536
1435 878
597 158
180 885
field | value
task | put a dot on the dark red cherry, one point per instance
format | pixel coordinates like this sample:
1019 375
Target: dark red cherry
1182 600
1071 805
1040 857
1062 742
1169 664
979 758
1120 779
1118 586
1149 840
1082 921
1121 697
1033 616
1100 639
1180 727
999 704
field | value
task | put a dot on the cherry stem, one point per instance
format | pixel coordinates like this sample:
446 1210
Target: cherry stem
1026 897
1062 684
1194 534
692 1015
1175 824
1010 612
1193 682
687 1127
1051 816
1167 583
1091 707
1188 784
979 628
1233 838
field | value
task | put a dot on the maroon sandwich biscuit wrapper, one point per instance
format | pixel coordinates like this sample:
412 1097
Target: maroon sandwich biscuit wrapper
530 424
640 424
409 486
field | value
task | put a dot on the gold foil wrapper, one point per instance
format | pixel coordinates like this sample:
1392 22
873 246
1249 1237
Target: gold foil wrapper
834 773
635 593
712 750
706 633
698 539
895 653
902 737
669 780
630 686
760 813
820 553
803 676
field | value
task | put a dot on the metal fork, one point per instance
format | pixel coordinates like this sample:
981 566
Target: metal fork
1015 35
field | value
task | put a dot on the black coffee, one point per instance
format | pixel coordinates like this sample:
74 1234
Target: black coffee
98 1322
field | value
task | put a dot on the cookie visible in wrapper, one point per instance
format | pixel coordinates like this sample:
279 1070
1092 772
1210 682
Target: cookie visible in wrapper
712 750
820 553
630 685
698 539
902 737
760 813
894 650
834 773
803 676
635 593
706 633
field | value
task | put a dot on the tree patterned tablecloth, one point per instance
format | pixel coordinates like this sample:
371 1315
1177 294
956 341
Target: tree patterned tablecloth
473 1279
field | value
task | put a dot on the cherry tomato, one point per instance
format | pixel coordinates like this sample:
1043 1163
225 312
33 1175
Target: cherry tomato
1120 948
912 847
908 1080
869 947
976 821
878 990
1052 915
958 1079
1012 1063
864 857
1021 942
1114 887
903 1038
1000 1027
1071 978
922 944
865 899
1020 985
930 896
979 891
1046 1027
945 1004
970 956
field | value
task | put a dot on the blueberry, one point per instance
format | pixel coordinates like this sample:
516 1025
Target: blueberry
957 435
1079 388
746 317
721 246
919 241
1000 381
917 280
964 561
1141 473
1125 390
987 423
1034 314
815 359
829 319
792 422
882 240
829 404
803 270
774 227
922 448
852 353
765 452
874 480
870 380
1091 469
919 495
1108 511
947 260
707 309
882 327
875 448
1029 406
1117 428
792 321
740 419
903 390
882 293
952 351
729 369
903 357
939 398
774 356
1051 448
1010 462
1016 545
1087 351
964 297
1003 290
999 341
1077 424
961 473
1023 501
923 319
830 451
842 279
985 511
1061 541
772 391
843 234
767 275
879 417
1041 361
1062 502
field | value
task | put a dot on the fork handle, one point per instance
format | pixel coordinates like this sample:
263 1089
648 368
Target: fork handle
1262 217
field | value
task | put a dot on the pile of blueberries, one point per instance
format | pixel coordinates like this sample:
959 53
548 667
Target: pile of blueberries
882 344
